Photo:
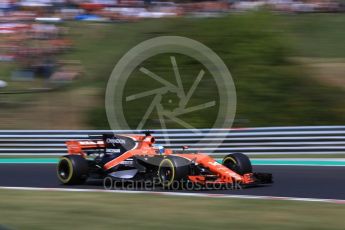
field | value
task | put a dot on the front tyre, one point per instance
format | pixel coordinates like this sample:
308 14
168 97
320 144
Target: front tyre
238 162
72 169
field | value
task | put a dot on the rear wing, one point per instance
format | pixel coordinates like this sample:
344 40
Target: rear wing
109 141
78 147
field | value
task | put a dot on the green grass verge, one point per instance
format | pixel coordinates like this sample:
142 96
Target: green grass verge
56 210
317 35
256 46
271 90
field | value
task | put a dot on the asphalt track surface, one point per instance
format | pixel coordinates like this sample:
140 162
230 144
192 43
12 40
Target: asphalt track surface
289 181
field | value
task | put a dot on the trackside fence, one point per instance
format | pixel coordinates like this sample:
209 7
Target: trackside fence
253 141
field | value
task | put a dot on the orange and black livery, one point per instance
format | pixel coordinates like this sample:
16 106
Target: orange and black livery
137 157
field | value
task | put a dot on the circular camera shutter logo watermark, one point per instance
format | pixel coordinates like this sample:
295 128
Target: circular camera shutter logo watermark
211 63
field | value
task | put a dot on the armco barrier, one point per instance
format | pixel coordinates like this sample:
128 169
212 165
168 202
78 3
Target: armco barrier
253 141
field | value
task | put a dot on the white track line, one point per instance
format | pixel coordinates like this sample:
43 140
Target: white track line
333 201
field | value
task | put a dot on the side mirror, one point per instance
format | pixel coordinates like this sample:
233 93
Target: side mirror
185 147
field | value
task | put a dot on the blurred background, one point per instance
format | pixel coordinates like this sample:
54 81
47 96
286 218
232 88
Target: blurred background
287 58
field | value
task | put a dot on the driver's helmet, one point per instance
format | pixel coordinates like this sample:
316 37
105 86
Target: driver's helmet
160 148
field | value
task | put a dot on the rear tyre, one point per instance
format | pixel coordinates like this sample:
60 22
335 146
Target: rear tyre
72 169
238 162
173 172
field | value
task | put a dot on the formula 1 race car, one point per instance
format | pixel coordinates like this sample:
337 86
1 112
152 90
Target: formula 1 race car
136 157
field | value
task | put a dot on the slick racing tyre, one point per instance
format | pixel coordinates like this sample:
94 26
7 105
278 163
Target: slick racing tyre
238 162
72 169
173 171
